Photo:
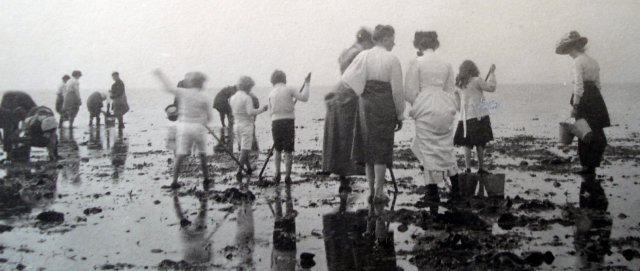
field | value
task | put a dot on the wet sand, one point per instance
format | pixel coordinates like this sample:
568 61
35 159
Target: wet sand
117 216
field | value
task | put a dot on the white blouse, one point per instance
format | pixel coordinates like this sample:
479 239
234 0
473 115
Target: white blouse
585 68
377 64
428 73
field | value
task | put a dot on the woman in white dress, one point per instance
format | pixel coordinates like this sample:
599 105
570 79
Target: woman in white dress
429 88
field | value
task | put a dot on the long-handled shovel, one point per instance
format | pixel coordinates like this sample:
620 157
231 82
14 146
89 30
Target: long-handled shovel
266 161
227 150
393 179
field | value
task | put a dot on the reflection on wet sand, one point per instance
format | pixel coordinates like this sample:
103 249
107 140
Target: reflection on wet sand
119 153
245 241
196 241
68 150
593 225
359 240
95 140
170 140
26 186
283 255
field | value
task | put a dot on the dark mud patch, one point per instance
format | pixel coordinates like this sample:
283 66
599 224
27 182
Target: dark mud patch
50 217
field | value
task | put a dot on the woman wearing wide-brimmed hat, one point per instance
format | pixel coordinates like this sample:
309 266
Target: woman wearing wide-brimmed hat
586 100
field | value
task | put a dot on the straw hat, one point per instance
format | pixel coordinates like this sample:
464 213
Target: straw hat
569 41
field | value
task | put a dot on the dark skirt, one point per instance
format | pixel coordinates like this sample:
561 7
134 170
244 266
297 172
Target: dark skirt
375 125
479 133
342 106
593 109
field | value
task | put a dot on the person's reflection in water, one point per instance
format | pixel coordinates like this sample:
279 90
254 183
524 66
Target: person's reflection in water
358 240
68 150
95 140
170 141
39 184
27 185
593 225
196 242
119 154
283 256
245 234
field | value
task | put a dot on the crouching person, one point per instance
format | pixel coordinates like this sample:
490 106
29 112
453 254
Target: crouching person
94 105
40 127
194 114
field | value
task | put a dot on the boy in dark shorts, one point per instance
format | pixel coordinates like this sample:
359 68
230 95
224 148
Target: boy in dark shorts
282 106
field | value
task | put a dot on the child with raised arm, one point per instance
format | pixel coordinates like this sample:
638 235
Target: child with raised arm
194 114
282 101
474 128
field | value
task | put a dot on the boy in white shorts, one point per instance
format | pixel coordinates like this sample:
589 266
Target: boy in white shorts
194 113
244 117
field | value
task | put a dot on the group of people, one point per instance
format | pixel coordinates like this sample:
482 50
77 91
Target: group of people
240 107
364 110
68 100
27 125
367 108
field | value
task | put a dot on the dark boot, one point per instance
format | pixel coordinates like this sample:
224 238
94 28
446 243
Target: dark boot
433 194
455 187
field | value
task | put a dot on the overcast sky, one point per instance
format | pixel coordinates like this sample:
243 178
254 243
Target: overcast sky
42 40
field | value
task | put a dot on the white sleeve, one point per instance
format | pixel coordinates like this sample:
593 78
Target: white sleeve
396 88
355 77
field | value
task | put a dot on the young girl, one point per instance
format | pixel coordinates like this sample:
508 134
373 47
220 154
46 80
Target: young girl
475 131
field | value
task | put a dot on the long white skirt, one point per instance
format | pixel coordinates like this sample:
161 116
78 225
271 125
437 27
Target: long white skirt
435 151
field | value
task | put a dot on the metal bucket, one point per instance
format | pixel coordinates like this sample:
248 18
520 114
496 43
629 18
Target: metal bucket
566 133
467 183
494 184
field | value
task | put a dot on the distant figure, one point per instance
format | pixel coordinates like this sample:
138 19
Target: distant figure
376 75
586 100
342 105
60 95
94 105
244 116
282 105
120 105
430 89
71 99
13 109
195 114
40 127
474 128
221 103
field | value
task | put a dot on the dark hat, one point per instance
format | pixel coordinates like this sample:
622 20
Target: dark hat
569 41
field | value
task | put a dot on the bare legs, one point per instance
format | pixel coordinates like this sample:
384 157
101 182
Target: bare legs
176 170
467 157
97 117
288 164
244 161
375 177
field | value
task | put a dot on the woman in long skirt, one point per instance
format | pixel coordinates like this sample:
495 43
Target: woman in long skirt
586 100
376 76
119 97
342 105
429 89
